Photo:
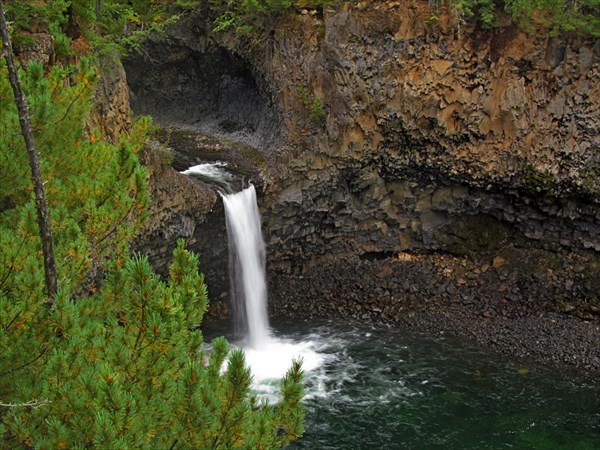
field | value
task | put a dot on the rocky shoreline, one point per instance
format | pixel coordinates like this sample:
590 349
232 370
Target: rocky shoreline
515 313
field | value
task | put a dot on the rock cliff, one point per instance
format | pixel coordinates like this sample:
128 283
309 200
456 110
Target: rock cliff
426 123
397 140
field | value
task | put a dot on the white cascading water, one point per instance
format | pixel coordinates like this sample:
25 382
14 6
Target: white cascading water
268 357
247 266
214 172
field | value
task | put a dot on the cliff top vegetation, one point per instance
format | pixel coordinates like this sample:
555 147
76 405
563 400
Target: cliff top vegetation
555 16
105 26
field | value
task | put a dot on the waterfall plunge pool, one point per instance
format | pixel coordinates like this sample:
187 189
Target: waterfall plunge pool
369 388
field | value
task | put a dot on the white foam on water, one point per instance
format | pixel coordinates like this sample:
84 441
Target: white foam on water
212 170
268 357
270 363
273 361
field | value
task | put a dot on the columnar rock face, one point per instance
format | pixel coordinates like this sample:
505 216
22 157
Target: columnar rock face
393 128
111 113
426 122
183 208
178 206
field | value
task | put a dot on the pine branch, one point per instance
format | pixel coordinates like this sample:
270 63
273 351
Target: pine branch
12 321
40 127
24 365
115 226
12 266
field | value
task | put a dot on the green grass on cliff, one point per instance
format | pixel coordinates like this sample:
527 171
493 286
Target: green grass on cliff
556 16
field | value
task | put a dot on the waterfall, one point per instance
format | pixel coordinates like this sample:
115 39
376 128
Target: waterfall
269 356
247 266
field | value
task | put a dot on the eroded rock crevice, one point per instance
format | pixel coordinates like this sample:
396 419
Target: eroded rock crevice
206 88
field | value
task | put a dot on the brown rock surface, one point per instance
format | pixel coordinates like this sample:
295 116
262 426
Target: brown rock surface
111 113
394 128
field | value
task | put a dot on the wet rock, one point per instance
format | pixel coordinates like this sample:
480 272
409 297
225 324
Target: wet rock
512 321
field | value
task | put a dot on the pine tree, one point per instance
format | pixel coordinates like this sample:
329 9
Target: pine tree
97 194
120 361
128 371
41 205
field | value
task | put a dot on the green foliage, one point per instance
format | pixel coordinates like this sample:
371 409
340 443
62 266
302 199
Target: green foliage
124 25
189 4
96 193
121 25
246 15
27 14
582 16
106 26
90 211
50 15
484 10
312 104
127 370
556 16
119 363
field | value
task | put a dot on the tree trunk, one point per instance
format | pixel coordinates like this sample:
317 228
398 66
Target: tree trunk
38 185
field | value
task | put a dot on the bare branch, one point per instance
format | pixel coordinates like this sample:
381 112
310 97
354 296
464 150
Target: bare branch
30 404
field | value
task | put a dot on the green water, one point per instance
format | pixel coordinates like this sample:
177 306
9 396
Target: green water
383 389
